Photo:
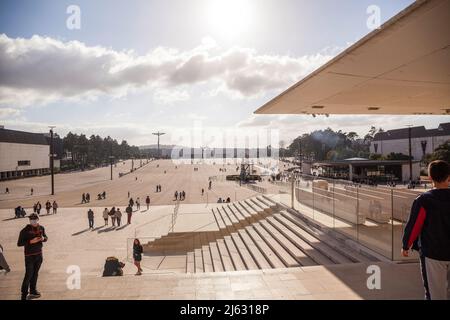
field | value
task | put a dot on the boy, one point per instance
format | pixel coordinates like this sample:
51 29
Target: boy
428 231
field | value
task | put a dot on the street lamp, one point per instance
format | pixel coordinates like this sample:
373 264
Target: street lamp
52 171
158 134
410 151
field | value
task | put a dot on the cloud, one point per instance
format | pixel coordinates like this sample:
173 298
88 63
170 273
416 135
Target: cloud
7 113
40 70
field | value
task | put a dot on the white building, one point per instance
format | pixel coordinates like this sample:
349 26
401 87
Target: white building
23 154
423 141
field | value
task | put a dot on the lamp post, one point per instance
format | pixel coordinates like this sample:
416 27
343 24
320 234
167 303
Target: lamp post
158 134
111 159
52 171
410 152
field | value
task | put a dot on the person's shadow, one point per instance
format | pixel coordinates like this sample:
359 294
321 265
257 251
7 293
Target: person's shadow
122 227
107 229
80 232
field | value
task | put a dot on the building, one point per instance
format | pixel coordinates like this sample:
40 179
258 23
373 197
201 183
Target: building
400 68
25 154
364 170
423 141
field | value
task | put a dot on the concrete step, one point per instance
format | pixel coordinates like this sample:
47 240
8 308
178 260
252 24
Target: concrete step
299 255
219 220
326 250
247 258
232 210
234 254
330 241
261 205
225 255
254 251
207 260
198 258
226 220
272 205
311 252
288 260
242 211
268 253
230 216
260 211
269 200
190 262
249 209
215 256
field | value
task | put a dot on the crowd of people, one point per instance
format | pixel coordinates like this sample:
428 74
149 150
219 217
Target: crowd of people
180 195
227 200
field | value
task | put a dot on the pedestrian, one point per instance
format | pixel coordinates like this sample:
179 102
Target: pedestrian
55 207
48 206
90 215
104 194
129 211
38 208
7 191
427 231
83 198
137 255
176 195
159 188
203 191
3 264
131 203
138 203
118 216
184 195
128 194
105 216
35 208
147 201
210 185
31 238
31 191
112 214
88 197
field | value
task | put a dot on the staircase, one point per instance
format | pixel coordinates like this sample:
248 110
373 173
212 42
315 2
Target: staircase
255 234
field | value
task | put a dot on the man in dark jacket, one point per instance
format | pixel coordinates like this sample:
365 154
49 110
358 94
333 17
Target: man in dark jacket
91 218
129 211
31 238
428 231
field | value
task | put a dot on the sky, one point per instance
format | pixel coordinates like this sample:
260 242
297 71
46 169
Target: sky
131 68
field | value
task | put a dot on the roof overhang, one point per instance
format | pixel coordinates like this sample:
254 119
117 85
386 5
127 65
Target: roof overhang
401 68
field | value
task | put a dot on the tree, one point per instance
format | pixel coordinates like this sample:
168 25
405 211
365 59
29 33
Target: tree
441 153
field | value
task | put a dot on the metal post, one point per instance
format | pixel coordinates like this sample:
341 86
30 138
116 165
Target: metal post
158 134
52 171
410 154
392 224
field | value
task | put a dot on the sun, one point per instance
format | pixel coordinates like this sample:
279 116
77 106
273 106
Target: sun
229 17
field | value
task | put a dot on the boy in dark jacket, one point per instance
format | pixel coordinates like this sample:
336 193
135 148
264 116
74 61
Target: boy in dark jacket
31 238
428 231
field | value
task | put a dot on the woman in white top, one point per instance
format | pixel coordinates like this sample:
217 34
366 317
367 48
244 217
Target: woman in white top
105 216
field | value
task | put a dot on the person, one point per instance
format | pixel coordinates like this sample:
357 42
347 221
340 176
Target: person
210 185
129 211
105 216
131 203
113 267
203 191
83 198
118 216
31 191
99 196
31 237
147 201
428 232
3 264
48 206
157 187
136 178
91 219
138 203
38 208
184 195
7 191
228 200
35 208
88 197
137 256
160 188
112 214
104 195
19 212
176 195
220 200
128 194
55 207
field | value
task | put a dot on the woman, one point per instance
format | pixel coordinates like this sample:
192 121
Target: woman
105 216
112 214
137 255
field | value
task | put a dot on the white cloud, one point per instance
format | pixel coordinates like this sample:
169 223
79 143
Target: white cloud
7 113
40 70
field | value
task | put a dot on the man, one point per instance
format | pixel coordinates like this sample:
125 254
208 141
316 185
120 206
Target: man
31 238
90 215
129 211
428 231
147 201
